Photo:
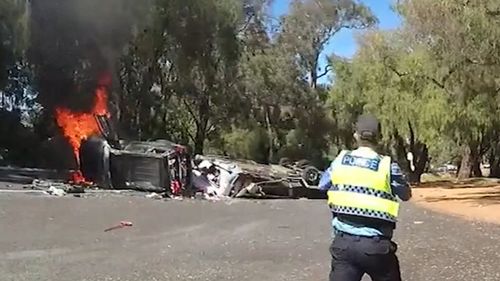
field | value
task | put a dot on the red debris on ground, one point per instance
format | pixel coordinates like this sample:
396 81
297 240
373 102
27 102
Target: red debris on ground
121 225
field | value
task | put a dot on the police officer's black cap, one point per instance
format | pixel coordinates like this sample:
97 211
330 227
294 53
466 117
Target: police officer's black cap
368 127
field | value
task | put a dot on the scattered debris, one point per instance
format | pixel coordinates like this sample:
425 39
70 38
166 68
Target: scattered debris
418 222
154 195
56 191
121 225
55 188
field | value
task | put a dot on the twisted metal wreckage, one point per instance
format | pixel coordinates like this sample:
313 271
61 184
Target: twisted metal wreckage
163 166
166 168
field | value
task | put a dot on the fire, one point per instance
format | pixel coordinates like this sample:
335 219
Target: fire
77 126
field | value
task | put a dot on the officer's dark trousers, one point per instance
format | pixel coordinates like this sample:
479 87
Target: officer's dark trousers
353 256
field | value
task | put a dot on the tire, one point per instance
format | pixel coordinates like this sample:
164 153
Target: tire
311 175
94 161
285 161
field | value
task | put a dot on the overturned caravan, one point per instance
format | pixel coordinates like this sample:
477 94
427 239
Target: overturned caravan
160 165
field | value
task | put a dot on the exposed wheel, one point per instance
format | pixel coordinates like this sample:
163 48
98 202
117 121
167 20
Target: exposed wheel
311 175
94 161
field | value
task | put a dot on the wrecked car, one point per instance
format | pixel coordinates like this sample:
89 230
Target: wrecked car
159 165
304 167
222 176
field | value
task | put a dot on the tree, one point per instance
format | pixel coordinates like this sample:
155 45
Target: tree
311 24
17 107
459 37
272 83
190 54
399 101
13 43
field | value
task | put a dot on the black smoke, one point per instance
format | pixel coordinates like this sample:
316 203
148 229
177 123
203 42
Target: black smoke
75 42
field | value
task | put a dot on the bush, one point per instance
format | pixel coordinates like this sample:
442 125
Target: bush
247 144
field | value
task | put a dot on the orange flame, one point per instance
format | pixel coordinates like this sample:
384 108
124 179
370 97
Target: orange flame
77 127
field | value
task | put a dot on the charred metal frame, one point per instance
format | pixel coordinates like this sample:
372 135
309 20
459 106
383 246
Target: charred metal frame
140 165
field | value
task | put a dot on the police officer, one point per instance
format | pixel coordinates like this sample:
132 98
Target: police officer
362 187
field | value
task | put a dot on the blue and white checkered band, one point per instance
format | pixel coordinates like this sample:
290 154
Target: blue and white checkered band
361 162
363 212
364 190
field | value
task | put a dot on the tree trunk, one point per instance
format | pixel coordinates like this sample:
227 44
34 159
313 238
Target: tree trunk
476 168
202 125
464 172
494 168
137 118
314 78
494 160
419 151
494 171
420 155
421 158
270 136
314 71
471 162
199 142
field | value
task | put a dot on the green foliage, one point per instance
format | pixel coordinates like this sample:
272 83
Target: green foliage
247 144
216 74
311 24
433 81
13 33
13 37
190 53
219 79
220 76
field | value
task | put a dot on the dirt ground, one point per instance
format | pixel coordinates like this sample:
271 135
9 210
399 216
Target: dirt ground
475 199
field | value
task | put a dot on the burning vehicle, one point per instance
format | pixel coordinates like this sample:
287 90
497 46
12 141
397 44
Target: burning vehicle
109 162
159 166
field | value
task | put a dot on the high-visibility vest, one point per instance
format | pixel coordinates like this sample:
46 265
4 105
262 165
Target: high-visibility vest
361 186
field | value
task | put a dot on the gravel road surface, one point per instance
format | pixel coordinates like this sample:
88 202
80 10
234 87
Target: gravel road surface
63 239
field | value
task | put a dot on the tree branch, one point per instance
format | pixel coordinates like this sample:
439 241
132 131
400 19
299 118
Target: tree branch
327 70
197 122
432 79
441 84
186 129
247 23
331 32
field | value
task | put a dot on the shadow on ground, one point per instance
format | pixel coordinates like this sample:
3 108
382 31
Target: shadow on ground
489 197
27 175
467 183
285 193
